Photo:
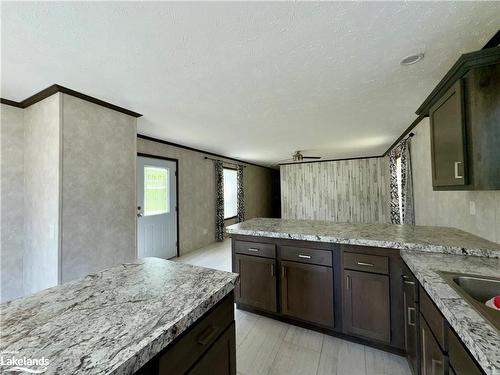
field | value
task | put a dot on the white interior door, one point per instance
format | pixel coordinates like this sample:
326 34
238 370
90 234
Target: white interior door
156 208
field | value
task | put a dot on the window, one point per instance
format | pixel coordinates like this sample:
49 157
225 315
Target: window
230 193
399 178
156 200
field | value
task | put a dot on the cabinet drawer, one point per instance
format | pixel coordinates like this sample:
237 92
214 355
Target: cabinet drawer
185 352
460 359
220 358
266 250
432 316
366 262
304 255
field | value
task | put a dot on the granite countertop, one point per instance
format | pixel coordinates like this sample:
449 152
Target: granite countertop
480 337
111 322
403 237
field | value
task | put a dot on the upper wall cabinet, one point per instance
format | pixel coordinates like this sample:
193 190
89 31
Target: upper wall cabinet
464 112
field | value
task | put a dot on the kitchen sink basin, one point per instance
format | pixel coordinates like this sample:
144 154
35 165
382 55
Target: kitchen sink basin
476 290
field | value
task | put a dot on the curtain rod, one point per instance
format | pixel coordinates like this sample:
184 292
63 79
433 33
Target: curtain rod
207 158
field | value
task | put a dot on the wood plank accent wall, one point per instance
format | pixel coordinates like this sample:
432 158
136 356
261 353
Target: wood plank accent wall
355 191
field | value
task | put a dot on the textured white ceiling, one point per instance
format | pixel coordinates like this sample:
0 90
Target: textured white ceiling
254 81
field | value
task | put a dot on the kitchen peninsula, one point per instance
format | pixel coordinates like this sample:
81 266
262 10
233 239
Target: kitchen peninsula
378 284
150 317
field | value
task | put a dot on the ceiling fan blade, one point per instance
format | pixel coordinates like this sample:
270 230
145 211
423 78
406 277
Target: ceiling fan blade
311 157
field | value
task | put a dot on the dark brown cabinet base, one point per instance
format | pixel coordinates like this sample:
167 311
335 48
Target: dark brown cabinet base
364 294
301 282
207 347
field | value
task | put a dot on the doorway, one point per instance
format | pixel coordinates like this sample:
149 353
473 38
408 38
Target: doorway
157 207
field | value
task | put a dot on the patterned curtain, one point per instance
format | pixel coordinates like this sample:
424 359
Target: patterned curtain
408 214
219 200
407 185
241 194
393 185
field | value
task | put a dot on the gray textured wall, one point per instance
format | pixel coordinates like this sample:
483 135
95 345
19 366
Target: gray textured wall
450 208
42 130
343 191
98 188
12 202
197 193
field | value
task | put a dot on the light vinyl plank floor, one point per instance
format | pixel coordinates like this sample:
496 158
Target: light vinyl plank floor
269 347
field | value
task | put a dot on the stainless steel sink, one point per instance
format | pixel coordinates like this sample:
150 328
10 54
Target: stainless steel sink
476 290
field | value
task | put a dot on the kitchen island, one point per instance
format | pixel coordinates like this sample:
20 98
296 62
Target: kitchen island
352 281
152 316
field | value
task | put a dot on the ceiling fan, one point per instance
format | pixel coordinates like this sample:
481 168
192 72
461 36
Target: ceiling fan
298 157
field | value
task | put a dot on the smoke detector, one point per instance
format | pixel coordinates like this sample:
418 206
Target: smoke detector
412 59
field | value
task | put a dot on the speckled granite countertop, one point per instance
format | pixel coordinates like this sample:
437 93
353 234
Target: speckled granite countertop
480 337
403 237
114 321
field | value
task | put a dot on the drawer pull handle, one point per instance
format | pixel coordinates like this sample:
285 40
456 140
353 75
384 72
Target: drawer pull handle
348 282
409 282
365 264
304 256
410 311
207 335
253 249
457 163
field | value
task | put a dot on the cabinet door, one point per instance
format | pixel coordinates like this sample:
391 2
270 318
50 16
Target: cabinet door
448 139
257 286
220 359
307 292
460 359
410 289
367 310
432 357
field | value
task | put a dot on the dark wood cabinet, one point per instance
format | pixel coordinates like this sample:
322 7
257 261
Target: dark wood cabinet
460 360
412 326
366 305
433 359
307 292
447 118
257 286
464 117
220 359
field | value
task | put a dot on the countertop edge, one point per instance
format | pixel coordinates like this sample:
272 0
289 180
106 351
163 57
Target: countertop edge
452 250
